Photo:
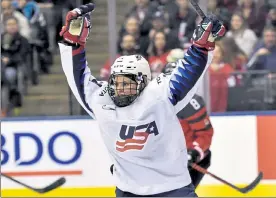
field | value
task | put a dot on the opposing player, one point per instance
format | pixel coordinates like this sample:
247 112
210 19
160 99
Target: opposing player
137 116
197 127
198 132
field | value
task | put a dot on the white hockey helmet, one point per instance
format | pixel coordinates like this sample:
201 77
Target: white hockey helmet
134 67
132 64
172 58
174 55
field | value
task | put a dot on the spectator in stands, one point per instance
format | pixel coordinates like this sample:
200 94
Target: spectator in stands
4 92
221 12
39 34
264 55
253 15
14 49
132 27
158 52
235 56
264 59
60 9
271 19
8 11
230 5
29 8
128 46
219 72
159 24
167 7
54 12
184 22
143 11
14 46
267 4
244 37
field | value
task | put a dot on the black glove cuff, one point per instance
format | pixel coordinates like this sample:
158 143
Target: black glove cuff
75 46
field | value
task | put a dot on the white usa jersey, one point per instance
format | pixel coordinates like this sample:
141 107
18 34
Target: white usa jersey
145 139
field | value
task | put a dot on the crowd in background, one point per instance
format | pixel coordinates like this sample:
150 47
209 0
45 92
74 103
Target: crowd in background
242 73
29 36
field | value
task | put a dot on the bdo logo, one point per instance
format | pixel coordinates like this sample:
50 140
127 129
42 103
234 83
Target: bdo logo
44 146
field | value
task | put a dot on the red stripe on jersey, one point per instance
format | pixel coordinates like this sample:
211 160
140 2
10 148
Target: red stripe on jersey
135 141
133 144
130 147
197 114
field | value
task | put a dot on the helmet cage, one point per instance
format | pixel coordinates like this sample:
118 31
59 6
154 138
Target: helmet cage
140 82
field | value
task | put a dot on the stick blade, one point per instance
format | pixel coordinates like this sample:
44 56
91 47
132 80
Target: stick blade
52 186
253 184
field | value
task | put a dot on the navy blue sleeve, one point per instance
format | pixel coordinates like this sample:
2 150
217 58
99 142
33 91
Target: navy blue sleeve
83 85
185 77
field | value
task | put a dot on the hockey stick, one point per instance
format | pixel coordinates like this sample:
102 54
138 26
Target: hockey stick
242 190
84 9
46 189
197 9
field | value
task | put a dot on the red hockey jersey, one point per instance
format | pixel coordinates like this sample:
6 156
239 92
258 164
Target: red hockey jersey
196 125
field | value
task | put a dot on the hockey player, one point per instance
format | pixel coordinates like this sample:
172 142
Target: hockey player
137 116
196 126
198 133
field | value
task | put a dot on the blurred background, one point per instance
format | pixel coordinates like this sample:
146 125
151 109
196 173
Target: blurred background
241 77
241 82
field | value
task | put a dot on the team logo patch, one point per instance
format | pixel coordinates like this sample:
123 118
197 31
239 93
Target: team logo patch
135 137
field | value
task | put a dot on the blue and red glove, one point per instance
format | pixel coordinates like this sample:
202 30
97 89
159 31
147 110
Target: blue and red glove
207 31
77 27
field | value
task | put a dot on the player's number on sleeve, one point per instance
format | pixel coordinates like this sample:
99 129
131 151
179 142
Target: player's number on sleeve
195 104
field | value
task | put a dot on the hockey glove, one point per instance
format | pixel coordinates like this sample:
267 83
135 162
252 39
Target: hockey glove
205 34
76 29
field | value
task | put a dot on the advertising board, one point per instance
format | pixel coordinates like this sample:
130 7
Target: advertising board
38 152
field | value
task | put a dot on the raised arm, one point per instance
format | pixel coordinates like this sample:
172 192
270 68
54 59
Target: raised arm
79 78
73 59
190 70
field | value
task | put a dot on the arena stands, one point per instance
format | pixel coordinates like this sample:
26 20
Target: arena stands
242 74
